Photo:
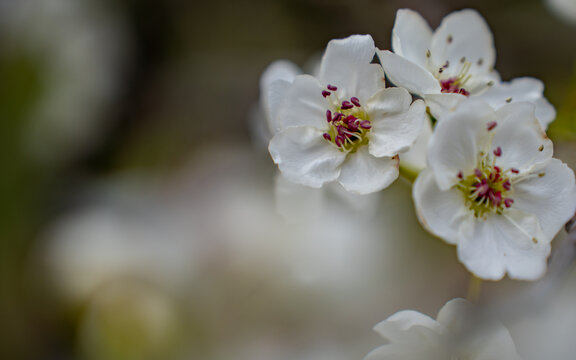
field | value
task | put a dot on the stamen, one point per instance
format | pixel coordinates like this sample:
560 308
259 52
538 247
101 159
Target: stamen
326 93
332 87
498 151
491 125
328 115
355 101
327 136
346 105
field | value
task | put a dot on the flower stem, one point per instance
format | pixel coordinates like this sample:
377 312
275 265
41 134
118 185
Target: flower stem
408 173
474 289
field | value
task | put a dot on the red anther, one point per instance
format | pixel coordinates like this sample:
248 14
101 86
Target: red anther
346 105
355 101
508 202
460 175
506 185
328 115
464 92
326 93
515 171
495 197
477 172
327 136
349 118
338 140
497 168
491 125
332 87
365 124
337 117
498 152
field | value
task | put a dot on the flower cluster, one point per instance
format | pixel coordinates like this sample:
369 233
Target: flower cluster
475 146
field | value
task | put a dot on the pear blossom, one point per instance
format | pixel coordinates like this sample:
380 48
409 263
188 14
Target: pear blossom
459 332
345 125
296 202
454 62
493 189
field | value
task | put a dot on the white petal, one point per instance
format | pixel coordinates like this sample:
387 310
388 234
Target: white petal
418 349
272 97
404 73
443 104
363 173
304 104
415 158
464 34
279 70
394 328
503 243
274 84
440 212
551 198
346 64
477 335
305 157
456 141
521 89
521 138
411 36
395 133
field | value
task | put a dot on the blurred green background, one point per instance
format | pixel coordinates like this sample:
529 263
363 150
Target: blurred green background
156 98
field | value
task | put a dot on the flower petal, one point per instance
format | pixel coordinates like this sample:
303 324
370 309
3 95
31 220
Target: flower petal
305 157
411 36
484 337
396 133
443 104
551 198
504 243
521 89
464 34
304 104
346 64
415 158
394 328
363 173
440 212
274 83
404 73
456 141
521 138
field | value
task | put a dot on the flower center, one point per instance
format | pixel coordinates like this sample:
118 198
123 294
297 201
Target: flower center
454 84
487 189
348 123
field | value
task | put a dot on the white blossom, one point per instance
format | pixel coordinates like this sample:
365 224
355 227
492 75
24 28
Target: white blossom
493 189
345 125
454 62
459 332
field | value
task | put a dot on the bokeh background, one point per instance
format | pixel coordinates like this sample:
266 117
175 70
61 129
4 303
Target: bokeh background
137 209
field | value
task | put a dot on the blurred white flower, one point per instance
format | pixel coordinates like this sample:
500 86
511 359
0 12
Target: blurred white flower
565 9
81 48
345 125
454 62
459 332
493 188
